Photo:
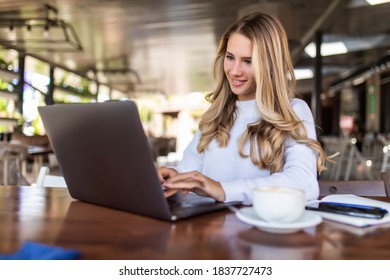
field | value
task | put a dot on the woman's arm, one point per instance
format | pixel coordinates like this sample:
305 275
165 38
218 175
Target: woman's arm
299 171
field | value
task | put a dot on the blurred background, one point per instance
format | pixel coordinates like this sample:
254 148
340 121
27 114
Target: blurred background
160 54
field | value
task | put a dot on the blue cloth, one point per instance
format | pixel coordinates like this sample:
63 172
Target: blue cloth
35 251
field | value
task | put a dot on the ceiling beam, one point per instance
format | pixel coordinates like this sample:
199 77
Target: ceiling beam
335 8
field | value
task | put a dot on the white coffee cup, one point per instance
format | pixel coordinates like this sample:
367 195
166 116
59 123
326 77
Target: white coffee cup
278 204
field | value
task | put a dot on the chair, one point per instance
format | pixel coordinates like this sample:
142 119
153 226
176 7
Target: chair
13 158
46 180
385 162
378 187
349 157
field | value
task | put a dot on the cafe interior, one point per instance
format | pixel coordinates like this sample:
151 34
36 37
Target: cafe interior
160 54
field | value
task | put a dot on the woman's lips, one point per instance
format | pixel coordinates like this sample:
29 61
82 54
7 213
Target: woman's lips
237 83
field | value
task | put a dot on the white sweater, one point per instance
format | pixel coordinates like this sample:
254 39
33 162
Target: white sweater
238 176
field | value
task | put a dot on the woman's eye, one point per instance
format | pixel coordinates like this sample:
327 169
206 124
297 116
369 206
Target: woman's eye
248 61
229 57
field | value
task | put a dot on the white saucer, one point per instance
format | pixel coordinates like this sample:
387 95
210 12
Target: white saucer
249 216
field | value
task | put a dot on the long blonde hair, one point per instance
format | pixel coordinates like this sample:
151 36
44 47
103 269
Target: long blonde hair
275 88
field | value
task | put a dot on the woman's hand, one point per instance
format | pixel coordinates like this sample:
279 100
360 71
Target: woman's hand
164 173
196 182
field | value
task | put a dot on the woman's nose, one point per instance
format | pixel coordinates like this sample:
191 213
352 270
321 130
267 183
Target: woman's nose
236 70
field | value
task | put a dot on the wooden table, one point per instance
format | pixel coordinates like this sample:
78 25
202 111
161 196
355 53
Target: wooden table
51 216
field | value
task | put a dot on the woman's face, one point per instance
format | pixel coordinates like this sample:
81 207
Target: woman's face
238 67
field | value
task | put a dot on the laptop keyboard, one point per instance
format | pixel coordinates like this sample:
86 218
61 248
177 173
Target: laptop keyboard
174 204
191 204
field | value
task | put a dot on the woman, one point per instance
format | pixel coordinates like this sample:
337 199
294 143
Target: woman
255 132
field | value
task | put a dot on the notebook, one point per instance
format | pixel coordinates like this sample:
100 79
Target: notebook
105 158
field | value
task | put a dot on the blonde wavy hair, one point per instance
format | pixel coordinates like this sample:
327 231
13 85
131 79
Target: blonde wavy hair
275 88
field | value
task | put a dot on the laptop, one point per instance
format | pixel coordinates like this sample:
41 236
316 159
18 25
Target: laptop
105 158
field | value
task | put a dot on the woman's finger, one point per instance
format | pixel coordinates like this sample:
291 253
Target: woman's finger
170 192
165 173
160 177
184 177
187 185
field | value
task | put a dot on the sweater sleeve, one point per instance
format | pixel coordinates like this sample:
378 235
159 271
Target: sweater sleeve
299 171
